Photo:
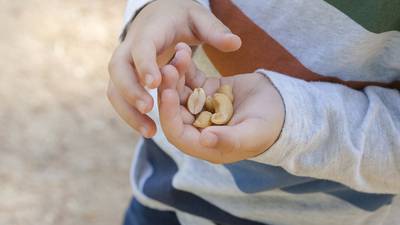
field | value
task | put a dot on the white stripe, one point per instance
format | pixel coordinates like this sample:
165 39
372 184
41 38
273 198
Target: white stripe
188 219
137 180
326 40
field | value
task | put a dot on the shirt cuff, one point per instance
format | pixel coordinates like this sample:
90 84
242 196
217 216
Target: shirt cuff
293 93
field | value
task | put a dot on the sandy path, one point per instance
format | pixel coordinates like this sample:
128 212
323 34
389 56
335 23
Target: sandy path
64 154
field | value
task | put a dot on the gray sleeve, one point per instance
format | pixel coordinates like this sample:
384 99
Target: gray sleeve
337 133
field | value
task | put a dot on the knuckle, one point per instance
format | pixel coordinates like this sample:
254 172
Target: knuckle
217 25
130 97
134 123
120 56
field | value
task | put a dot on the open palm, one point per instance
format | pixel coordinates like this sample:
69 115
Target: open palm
255 125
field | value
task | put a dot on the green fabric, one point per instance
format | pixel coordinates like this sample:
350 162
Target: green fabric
374 15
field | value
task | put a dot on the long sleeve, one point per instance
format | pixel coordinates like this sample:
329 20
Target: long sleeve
336 133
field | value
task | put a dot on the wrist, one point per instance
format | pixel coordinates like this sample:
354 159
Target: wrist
133 17
277 107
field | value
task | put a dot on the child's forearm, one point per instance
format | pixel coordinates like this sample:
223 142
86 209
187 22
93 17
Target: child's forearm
133 7
336 133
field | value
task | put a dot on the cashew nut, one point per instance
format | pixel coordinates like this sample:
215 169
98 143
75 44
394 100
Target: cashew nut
223 109
221 104
227 90
196 101
209 104
203 120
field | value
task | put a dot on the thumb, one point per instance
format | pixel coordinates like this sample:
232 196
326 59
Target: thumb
245 136
211 30
220 137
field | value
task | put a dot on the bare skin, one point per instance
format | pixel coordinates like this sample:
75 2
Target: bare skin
150 43
256 123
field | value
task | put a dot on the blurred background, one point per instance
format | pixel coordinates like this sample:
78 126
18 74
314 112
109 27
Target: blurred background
64 153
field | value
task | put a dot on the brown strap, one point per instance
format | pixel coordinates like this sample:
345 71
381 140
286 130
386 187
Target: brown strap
260 50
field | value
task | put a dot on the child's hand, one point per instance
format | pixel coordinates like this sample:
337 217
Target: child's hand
255 125
150 38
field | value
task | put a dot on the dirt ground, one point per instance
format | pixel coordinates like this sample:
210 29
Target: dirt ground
64 154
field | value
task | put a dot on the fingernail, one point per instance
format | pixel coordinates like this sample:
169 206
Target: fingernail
141 106
149 80
143 131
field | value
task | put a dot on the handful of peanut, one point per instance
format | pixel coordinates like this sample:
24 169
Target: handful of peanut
216 109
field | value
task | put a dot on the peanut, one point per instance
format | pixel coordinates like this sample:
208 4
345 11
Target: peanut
203 120
218 109
223 109
196 101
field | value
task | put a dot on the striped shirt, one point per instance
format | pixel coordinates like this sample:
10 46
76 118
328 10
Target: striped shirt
336 64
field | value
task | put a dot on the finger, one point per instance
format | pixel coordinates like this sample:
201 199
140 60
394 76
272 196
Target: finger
187 117
182 58
144 56
125 81
183 46
185 65
169 81
195 77
170 78
184 94
233 140
181 62
181 87
184 137
212 31
170 114
138 121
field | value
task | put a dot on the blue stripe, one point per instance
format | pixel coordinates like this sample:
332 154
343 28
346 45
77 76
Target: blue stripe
138 214
365 201
159 187
253 177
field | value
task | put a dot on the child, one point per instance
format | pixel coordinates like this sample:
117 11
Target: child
315 137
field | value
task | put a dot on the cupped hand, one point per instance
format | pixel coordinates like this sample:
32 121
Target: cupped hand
256 123
150 43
